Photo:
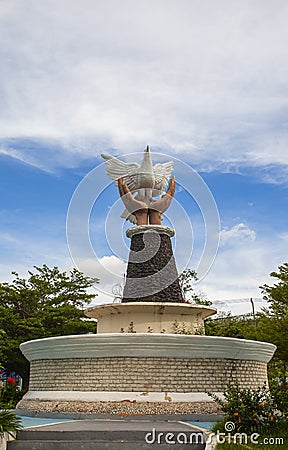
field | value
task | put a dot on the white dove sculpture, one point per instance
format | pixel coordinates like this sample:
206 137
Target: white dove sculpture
147 180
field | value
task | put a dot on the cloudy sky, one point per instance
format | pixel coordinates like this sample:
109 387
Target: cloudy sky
202 82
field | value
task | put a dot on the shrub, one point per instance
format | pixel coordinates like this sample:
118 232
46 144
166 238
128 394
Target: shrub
279 392
249 409
10 390
9 422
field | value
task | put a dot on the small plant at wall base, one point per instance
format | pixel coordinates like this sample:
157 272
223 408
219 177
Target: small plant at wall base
181 328
130 329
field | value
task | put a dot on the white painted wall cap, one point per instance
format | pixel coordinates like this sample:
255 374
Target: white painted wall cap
146 345
159 307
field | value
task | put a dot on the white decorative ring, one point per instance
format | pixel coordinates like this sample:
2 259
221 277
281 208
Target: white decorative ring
146 228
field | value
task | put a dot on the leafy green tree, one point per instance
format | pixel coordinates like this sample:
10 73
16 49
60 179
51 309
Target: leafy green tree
186 280
271 324
230 326
277 295
48 303
274 319
2 334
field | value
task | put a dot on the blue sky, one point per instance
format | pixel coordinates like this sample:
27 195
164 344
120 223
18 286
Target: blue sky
201 82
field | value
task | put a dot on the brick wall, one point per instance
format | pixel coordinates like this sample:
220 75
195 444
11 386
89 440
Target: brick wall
144 374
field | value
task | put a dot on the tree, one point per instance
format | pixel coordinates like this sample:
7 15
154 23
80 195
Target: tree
186 280
274 319
230 326
277 295
271 323
48 303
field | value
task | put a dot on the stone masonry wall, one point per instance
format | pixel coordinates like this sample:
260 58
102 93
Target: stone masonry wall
144 374
151 272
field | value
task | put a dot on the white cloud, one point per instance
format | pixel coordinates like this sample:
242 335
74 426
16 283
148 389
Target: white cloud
24 157
8 238
194 77
239 233
239 270
22 253
239 306
284 237
110 270
203 80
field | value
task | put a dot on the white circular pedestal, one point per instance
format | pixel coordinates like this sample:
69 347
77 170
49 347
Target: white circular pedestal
150 317
141 367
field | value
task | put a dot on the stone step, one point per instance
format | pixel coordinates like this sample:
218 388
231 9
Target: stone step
95 445
101 434
83 435
95 435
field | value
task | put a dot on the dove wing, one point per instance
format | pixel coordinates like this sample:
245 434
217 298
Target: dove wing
162 174
116 169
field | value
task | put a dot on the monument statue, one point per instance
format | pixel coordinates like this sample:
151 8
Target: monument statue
149 347
148 181
139 209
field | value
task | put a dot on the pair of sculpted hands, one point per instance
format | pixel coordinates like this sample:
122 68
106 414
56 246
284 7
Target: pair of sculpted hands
145 214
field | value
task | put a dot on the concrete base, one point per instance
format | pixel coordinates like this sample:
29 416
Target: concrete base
106 396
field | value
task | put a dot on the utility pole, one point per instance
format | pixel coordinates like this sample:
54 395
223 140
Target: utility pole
253 311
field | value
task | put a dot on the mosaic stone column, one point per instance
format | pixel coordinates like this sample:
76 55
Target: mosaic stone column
151 272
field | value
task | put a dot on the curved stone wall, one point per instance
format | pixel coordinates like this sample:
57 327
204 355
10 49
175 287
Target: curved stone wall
161 374
142 367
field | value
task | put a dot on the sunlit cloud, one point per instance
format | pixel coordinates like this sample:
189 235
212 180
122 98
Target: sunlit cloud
202 84
239 233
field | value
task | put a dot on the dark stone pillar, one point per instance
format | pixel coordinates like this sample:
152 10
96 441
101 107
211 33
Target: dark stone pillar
151 273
